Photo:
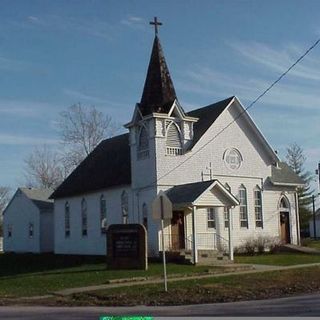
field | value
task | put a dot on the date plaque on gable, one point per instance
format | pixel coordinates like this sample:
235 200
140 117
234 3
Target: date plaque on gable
127 247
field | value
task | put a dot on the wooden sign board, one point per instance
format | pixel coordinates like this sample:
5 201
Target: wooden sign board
161 202
127 247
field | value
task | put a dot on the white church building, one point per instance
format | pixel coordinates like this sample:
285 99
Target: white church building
213 163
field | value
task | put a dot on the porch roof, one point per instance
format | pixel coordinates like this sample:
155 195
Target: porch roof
191 194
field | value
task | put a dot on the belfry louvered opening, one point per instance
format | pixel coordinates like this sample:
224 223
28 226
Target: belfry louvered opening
173 142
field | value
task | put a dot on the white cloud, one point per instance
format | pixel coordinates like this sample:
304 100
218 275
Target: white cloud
133 22
33 19
79 96
10 139
209 82
91 27
12 64
279 59
26 109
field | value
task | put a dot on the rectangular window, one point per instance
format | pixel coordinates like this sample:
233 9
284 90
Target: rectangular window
226 217
84 226
211 218
243 208
9 231
67 224
258 208
103 214
67 220
30 230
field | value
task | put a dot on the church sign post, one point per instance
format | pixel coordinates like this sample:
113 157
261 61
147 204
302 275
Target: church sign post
162 209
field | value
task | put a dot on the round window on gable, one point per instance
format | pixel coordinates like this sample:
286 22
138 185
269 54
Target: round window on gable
232 158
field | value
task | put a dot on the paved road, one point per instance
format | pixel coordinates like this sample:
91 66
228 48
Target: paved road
306 305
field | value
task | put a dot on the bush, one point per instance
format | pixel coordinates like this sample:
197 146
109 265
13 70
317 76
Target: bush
260 245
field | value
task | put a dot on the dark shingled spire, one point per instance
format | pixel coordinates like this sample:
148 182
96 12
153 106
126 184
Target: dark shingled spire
158 92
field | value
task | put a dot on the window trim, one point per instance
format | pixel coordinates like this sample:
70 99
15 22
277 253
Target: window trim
67 220
125 207
226 210
174 150
103 214
211 210
145 215
84 218
31 230
9 231
257 189
143 153
244 206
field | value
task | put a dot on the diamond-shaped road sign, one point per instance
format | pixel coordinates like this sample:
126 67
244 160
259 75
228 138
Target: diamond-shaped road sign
161 207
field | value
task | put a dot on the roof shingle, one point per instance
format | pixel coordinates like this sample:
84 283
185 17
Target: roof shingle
207 116
108 165
40 197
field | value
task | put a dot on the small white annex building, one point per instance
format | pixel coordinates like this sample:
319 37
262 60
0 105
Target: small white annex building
28 222
214 165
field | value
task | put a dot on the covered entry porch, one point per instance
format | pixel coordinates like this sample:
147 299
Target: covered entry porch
200 211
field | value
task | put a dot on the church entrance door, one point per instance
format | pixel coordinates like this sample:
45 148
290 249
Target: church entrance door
177 230
284 227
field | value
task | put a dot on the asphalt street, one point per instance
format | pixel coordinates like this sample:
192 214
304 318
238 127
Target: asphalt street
298 306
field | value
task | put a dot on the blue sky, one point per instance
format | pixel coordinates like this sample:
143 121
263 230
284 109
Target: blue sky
57 53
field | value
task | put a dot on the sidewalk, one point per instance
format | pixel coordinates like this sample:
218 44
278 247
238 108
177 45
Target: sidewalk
257 269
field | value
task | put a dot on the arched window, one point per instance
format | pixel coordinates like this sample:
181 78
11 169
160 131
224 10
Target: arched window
145 215
103 214
84 218
226 210
124 207
284 204
173 141
258 206
143 143
243 207
67 220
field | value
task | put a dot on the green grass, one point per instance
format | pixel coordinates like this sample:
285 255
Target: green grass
312 243
279 259
28 275
209 290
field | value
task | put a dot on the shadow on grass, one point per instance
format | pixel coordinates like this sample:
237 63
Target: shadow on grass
15 264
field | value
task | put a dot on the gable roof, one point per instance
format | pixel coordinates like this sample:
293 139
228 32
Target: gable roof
158 92
108 165
40 197
207 116
284 175
189 193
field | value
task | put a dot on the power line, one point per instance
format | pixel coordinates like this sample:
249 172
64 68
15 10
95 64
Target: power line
246 109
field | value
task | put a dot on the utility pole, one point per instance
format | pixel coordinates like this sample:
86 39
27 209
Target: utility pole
314 217
313 204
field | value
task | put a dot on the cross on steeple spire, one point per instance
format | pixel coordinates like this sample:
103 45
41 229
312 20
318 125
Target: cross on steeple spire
156 23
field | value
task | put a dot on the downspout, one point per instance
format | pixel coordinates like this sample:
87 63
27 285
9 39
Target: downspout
194 244
297 218
230 230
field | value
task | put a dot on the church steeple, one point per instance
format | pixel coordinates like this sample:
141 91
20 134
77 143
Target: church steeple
158 92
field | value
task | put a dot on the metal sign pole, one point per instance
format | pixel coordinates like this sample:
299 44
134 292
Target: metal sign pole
163 250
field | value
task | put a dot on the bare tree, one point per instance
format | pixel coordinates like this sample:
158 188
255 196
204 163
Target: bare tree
43 168
82 129
4 199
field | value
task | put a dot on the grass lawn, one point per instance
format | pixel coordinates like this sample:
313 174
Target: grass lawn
312 243
279 259
209 290
28 275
